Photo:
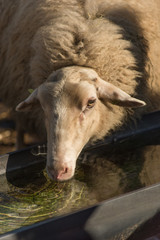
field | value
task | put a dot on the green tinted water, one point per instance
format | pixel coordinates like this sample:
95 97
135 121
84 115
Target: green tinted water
29 198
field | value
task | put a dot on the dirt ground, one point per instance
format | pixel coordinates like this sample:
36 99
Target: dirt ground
7 134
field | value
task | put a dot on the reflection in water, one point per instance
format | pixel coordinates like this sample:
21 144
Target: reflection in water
150 173
96 179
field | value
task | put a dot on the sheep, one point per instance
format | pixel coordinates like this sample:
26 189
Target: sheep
93 66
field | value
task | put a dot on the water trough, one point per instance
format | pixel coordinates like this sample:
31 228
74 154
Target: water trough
133 215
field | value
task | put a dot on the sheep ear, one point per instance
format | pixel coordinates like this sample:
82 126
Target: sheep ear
109 92
28 103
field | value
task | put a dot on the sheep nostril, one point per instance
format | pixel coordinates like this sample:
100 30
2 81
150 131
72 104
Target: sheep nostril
62 173
66 170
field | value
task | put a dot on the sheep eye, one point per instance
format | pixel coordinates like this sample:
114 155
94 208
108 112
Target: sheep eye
91 102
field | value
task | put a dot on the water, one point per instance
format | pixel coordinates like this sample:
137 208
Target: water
29 196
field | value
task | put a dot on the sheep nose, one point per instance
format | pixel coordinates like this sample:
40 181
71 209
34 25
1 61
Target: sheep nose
60 175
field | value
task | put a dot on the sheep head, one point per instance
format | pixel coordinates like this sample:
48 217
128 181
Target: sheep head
73 99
